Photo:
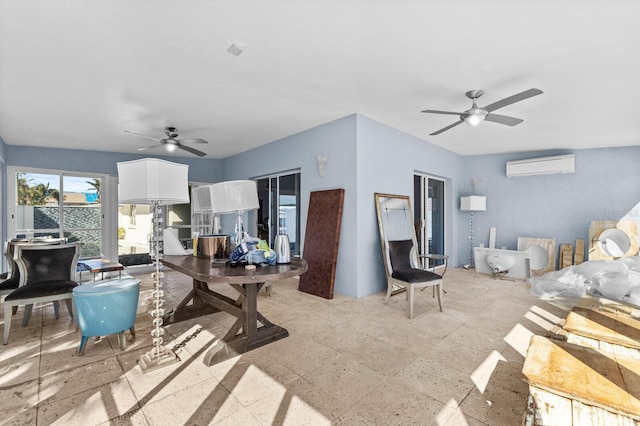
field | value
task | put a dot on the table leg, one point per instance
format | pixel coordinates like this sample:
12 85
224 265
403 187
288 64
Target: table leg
251 337
184 311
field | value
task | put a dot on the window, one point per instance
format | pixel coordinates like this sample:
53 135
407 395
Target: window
57 204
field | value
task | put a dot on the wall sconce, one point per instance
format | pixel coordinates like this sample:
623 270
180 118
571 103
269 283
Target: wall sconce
322 164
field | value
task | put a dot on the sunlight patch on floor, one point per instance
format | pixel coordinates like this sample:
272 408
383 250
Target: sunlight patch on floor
518 338
538 320
482 374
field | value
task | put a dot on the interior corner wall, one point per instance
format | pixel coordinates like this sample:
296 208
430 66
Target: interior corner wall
605 186
336 140
387 161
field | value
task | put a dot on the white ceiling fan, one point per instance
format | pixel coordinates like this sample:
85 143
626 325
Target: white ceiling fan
170 142
476 115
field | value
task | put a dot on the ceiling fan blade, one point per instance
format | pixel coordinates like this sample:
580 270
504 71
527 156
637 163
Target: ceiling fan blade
148 147
142 136
513 99
193 141
446 128
503 119
191 150
435 111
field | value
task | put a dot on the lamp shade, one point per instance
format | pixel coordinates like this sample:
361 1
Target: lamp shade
202 199
473 203
152 180
234 196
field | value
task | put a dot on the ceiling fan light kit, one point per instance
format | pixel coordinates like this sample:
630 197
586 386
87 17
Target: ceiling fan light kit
476 115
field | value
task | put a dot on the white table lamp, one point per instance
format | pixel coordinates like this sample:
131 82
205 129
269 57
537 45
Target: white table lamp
155 182
235 196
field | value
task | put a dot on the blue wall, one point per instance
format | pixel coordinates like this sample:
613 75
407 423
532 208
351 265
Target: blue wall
606 186
337 140
366 156
200 170
388 159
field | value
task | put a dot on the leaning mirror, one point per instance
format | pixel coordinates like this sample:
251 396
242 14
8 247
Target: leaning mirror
400 250
395 219
395 222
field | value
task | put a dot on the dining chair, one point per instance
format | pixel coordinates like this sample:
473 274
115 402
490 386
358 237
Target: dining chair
11 279
400 253
47 274
403 270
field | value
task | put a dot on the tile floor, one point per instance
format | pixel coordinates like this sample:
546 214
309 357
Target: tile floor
346 362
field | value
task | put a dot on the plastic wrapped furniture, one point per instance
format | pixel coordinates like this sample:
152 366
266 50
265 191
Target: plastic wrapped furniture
106 307
47 274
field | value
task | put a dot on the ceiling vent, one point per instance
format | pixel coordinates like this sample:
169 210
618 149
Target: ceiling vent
542 166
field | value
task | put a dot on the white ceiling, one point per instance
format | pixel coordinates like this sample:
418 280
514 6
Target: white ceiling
76 74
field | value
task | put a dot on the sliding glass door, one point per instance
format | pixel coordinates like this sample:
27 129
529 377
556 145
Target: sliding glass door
429 216
279 197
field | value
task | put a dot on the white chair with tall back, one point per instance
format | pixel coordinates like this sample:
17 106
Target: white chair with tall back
400 250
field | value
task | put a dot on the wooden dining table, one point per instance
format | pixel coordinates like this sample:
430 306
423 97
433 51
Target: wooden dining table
206 296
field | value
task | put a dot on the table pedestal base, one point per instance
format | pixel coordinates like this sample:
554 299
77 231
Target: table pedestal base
223 350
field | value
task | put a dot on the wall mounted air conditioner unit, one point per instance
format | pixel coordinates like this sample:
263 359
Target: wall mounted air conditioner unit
542 166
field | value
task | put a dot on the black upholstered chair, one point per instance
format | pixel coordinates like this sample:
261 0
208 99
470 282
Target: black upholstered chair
403 271
47 274
11 279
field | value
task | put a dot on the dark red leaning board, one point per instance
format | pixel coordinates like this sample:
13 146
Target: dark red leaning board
321 241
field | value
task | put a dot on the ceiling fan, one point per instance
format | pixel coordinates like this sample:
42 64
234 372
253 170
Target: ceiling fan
476 115
170 142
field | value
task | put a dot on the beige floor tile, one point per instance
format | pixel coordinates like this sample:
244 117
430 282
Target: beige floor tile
302 403
28 417
436 380
346 379
251 380
461 358
59 354
346 362
396 403
503 400
90 407
19 334
439 324
18 402
206 404
63 384
341 338
475 339
382 357
301 354
410 337
131 418
19 363
165 381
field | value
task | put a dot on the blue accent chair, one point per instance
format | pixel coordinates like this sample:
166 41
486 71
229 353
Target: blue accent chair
106 307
